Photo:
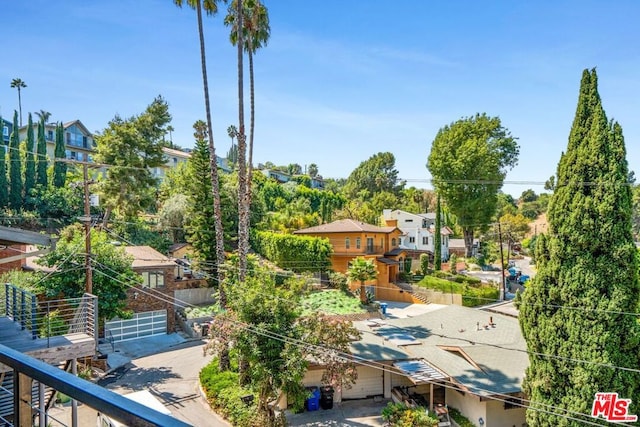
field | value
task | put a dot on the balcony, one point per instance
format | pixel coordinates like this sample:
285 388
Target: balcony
363 250
37 336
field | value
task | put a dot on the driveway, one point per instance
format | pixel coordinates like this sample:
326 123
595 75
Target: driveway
352 413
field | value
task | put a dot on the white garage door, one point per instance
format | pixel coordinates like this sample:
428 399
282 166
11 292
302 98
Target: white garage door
140 325
370 383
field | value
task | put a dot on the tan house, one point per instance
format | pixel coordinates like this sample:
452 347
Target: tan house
352 239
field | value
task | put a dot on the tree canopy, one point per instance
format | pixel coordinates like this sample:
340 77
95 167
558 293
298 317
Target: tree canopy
575 315
374 175
469 160
133 147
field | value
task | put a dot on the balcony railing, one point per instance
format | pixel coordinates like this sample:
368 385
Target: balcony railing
26 370
353 250
50 318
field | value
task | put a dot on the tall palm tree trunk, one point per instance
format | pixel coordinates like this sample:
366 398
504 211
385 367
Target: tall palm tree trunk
224 362
243 208
252 120
20 105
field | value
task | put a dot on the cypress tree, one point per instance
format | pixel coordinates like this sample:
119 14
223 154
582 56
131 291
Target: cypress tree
30 165
437 240
4 194
41 159
59 168
573 315
15 166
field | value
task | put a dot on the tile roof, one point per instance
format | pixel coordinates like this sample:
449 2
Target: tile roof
345 226
147 257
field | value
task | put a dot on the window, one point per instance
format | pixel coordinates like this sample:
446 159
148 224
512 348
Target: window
412 239
347 243
49 135
357 243
369 244
393 242
84 142
424 223
408 220
153 279
5 131
425 240
68 137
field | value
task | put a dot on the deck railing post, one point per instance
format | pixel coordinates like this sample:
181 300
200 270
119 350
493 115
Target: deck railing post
15 300
23 309
34 317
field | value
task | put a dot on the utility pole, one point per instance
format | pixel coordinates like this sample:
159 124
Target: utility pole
87 231
504 285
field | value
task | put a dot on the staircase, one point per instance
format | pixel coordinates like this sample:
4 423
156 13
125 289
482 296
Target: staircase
414 291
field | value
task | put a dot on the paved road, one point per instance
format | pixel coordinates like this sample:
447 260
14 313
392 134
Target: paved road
172 376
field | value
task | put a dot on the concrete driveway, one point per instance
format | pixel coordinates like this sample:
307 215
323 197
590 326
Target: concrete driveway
352 413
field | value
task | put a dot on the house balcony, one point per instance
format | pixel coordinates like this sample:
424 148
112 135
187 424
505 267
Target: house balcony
49 330
37 337
353 251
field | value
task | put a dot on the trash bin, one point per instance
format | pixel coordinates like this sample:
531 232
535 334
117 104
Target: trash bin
326 397
313 402
383 307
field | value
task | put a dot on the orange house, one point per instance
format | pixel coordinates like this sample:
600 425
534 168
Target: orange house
351 239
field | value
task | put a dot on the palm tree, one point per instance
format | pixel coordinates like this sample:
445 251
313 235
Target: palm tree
232 155
211 8
43 116
250 31
361 270
170 129
19 84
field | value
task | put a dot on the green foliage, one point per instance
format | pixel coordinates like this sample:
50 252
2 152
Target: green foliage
60 205
112 270
25 280
588 271
375 175
453 263
424 264
400 415
30 165
52 325
361 270
459 418
4 185
339 281
296 253
15 167
473 291
59 168
469 160
331 302
140 233
134 146
41 156
172 216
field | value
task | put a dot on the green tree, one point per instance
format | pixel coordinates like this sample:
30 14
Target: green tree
43 116
133 147
19 84
211 8
514 229
41 156
59 167
113 273
312 170
172 216
4 193
15 167
232 154
469 160
30 165
437 238
360 270
376 174
575 315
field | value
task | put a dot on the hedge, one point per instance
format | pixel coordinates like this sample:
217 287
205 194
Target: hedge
292 252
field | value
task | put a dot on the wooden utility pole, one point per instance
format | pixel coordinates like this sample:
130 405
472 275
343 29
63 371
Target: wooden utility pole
504 285
87 231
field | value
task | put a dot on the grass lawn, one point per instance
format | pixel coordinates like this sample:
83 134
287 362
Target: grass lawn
331 302
473 294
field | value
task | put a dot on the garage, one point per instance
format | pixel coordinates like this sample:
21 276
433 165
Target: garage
141 325
370 383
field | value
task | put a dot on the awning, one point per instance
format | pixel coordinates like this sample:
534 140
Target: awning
419 371
387 261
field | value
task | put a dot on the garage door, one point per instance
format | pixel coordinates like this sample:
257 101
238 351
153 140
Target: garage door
370 383
140 325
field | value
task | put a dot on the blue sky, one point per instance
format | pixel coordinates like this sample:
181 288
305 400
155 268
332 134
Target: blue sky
340 80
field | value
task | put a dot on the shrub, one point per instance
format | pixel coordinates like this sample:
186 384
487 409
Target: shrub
424 263
460 419
339 280
400 415
298 253
52 325
452 264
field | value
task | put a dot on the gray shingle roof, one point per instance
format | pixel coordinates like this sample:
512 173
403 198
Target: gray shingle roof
345 226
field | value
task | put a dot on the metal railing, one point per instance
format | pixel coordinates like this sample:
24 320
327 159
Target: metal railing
50 318
27 369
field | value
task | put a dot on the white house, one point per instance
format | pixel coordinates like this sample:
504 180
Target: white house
419 231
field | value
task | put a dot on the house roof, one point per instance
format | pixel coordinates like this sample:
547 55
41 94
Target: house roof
147 257
459 243
177 153
79 124
345 226
177 246
484 360
394 252
387 261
